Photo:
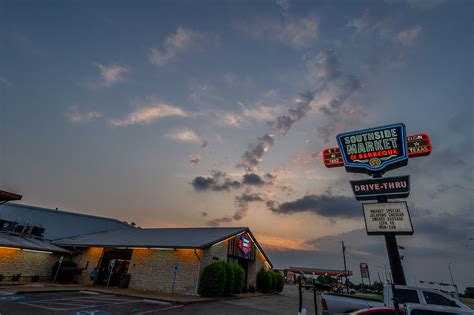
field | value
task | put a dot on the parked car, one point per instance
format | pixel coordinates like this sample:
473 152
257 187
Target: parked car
384 310
334 303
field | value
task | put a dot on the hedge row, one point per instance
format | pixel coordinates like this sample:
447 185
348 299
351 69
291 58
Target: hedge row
221 279
268 281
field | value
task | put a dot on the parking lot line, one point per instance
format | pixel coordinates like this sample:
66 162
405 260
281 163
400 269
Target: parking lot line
72 298
161 309
78 308
45 307
54 303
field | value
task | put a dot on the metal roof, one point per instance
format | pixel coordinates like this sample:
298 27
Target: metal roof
57 223
17 241
161 237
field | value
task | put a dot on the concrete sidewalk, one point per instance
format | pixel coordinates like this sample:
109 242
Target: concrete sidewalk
152 295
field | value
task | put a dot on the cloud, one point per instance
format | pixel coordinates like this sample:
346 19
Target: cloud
325 205
217 222
298 33
261 112
229 119
112 74
252 157
242 202
419 4
148 114
284 5
4 81
195 159
184 135
242 206
75 116
298 111
175 45
219 181
252 179
204 143
408 36
369 21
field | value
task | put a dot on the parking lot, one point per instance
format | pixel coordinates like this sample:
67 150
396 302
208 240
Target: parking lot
79 303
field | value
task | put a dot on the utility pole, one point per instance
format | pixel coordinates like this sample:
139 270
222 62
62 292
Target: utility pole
345 266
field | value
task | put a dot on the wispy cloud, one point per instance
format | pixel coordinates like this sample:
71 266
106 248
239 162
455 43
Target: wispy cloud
74 115
229 119
409 35
295 33
176 44
262 112
112 74
4 81
146 115
185 135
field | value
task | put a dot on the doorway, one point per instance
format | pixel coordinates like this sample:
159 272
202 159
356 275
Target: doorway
113 264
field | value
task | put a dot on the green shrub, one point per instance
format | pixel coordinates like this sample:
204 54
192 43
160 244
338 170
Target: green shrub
239 279
469 292
213 280
264 281
280 282
229 279
274 280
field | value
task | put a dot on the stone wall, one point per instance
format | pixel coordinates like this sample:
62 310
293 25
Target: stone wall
153 270
93 255
214 253
14 261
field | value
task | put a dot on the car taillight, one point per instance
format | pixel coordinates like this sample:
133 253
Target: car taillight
324 305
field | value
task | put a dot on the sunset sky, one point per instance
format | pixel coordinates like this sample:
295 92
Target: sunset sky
215 113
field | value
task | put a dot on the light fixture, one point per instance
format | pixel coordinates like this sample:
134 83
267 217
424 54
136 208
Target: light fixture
37 251
13 248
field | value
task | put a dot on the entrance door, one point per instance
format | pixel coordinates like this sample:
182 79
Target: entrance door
113 264
244 263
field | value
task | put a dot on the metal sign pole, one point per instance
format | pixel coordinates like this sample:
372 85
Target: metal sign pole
59 267
392 249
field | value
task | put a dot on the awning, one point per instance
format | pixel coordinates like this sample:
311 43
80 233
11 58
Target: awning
29 243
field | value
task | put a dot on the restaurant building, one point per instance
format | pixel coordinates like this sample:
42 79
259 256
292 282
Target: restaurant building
32 239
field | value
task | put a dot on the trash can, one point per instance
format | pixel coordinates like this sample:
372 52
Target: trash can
124 280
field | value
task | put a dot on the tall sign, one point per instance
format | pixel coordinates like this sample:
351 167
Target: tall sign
374 150
364 271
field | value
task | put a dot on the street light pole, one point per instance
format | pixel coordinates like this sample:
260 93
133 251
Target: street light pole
345 266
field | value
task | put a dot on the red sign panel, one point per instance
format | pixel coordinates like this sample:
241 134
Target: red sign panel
418 145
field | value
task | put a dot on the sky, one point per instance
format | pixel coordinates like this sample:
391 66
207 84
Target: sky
215 113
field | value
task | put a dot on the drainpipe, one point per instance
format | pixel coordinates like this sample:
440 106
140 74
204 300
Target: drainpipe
198 272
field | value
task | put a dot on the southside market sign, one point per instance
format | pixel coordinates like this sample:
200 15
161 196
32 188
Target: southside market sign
374 150
418 145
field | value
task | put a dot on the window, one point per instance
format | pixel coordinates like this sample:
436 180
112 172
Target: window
407 296
437 299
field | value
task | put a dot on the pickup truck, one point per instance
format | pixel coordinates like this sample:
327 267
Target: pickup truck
333 303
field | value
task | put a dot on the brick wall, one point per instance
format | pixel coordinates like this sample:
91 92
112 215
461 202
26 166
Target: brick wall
13 261
152 269
92 255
